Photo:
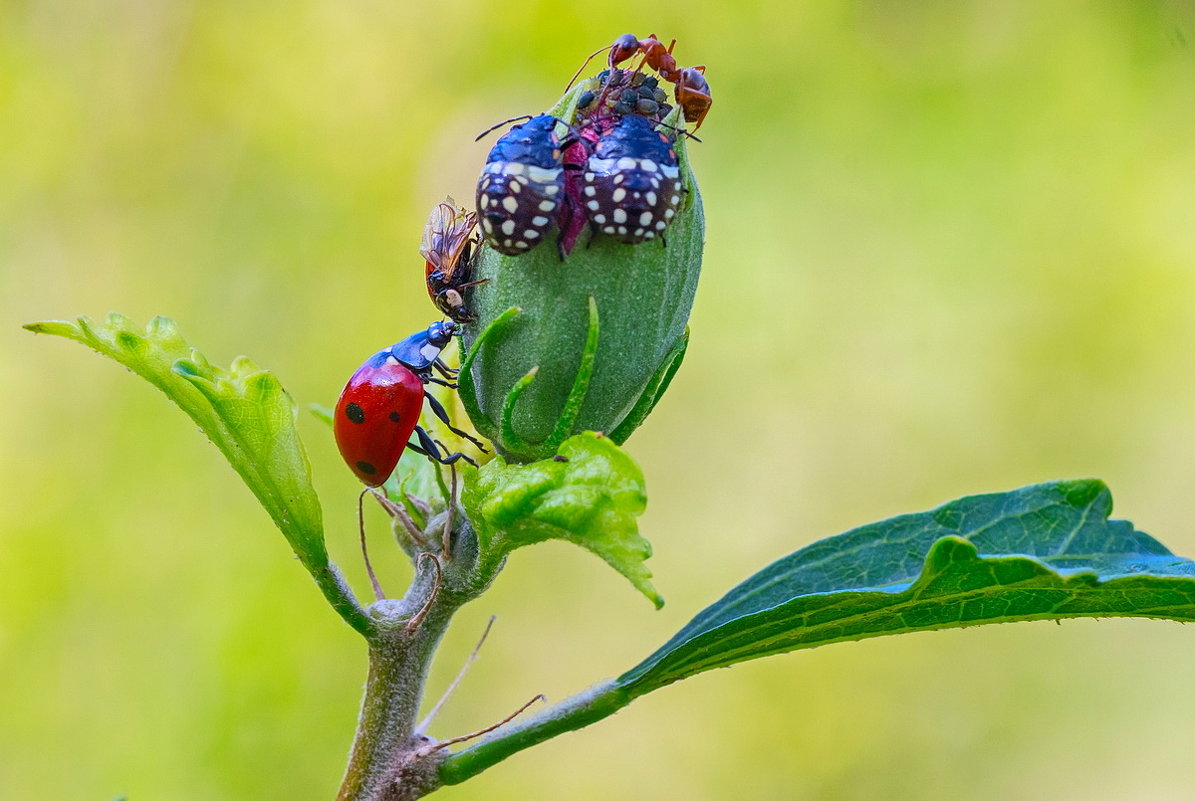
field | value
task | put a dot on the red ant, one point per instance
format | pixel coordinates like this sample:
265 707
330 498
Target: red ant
690 87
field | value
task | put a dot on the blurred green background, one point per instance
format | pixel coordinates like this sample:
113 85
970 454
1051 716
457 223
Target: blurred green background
951 250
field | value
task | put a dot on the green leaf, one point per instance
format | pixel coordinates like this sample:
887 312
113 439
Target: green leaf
1043 552
246 413
589 494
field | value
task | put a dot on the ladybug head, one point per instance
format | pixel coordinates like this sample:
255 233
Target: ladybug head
440 333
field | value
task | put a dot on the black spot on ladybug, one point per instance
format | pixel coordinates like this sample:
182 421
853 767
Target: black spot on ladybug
394 416
366 468
354 413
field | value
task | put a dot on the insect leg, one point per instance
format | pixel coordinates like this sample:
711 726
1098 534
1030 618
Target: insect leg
439 411
428 447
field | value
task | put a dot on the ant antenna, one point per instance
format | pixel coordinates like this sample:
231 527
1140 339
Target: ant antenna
499 125
427 721
581 69
373 579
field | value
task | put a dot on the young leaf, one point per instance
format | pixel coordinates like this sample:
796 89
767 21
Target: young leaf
1043 552
589 494
246 413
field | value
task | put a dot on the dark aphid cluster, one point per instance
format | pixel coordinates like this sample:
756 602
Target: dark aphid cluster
615 171
626 93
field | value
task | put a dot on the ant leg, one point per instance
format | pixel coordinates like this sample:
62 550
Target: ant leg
439 411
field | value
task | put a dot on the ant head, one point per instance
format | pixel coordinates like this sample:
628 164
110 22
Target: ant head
623 48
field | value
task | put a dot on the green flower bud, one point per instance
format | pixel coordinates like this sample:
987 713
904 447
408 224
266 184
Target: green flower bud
587 342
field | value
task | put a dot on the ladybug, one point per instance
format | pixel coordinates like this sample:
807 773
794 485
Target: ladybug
522 186
447 248
631 185
379 408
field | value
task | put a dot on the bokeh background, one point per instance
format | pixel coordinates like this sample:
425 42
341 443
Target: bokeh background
951 250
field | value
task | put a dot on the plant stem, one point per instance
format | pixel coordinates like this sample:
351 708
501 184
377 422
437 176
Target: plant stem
379 766
578 711
334 588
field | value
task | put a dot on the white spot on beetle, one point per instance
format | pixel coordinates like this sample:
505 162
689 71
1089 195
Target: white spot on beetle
651 198
531 234
661 225
599 218
590 191
645 218
508 227
593 205
539 222
618 195
547 205
649 165
510 204
544 176
620 215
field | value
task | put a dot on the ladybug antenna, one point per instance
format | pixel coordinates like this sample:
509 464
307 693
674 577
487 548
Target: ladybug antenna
580 69
373 579
427 721
499 125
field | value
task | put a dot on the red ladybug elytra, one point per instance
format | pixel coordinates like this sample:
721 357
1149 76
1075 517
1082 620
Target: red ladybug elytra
379 408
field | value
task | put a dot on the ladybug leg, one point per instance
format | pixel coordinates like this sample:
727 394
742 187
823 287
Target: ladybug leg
443 369
439 411
428 447
431 379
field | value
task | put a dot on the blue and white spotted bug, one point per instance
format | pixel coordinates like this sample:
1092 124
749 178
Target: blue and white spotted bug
521 188
631 186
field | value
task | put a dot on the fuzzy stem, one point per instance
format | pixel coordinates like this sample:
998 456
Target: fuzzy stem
379 768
